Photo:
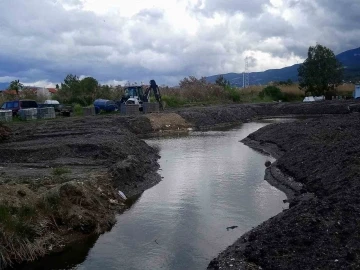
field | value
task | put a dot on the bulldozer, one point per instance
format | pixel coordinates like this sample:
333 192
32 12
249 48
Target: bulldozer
136 95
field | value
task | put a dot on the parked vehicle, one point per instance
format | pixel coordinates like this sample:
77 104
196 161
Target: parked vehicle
51 103
356 93
17 105
134 95
65 110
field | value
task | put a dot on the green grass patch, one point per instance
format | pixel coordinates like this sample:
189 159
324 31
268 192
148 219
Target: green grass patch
17 220
78 110
174 101
233 93
60 171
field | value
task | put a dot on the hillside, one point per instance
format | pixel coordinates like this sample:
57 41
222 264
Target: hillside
350 60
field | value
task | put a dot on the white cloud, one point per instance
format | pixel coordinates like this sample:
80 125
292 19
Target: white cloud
41 83
6 79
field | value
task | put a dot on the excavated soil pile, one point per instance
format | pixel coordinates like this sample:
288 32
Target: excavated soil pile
161 122
208 117
5 132
59 181
320 230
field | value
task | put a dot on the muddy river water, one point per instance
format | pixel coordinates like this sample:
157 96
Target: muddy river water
211 181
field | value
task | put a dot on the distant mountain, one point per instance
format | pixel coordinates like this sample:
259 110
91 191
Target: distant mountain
350 59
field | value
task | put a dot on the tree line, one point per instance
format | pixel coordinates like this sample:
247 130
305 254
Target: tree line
320 74
72 90
85 91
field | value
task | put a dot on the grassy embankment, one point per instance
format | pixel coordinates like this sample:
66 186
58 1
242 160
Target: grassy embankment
194 92
212 94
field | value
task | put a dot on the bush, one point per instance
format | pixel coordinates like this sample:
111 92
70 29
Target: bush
233 94
60 171
173 101
272 92
78 110
288 97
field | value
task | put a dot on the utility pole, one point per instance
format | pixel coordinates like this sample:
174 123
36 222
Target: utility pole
246 79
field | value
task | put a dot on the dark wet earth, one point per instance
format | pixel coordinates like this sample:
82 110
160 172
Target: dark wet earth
211 181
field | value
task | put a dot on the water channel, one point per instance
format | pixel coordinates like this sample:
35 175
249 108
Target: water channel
211 181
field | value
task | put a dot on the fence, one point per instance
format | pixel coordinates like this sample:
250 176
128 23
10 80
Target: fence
150 107
28 114
46 113
129 109
5 116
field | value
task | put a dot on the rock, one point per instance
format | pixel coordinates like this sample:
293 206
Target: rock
22 193
267 164
122 195
111 201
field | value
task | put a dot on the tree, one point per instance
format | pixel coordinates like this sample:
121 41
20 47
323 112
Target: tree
220 80
88 87
321 72
192 81
83 92
16 85
272 92
70 90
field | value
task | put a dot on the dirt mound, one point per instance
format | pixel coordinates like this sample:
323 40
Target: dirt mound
59 182
320 230
5 132
228 114
167 121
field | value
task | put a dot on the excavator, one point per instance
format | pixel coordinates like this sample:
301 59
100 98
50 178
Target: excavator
136 95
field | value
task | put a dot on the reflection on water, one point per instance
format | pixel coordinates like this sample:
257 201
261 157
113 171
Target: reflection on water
211 181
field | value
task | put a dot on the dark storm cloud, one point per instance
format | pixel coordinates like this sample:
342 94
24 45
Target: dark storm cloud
42 40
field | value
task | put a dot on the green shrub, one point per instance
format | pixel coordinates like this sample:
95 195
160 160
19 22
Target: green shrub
288 97
60 171
233 93
272 92
78 110
173 101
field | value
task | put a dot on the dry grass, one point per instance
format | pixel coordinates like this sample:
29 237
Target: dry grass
193 92
35 222
346 88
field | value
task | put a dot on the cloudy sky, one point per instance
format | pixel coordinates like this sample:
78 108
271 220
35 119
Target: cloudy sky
167 40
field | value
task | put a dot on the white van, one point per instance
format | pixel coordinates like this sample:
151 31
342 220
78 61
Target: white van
51 101
357 91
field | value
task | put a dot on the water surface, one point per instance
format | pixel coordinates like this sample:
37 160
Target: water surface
210 181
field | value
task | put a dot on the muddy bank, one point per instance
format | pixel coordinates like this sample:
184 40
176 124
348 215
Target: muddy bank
209 117
60 178
4 132
59 182
320 229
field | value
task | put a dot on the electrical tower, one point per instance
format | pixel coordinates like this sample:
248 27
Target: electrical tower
246 74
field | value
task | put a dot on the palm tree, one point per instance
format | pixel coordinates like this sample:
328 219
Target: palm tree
16 85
